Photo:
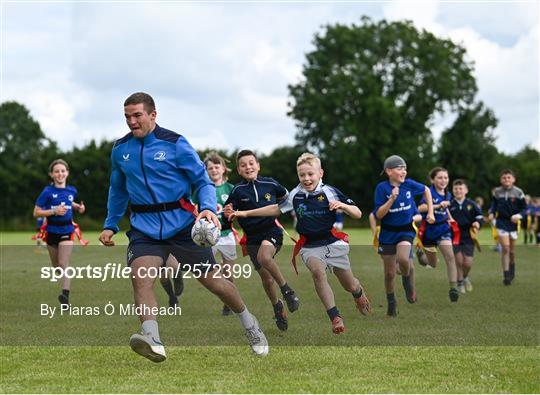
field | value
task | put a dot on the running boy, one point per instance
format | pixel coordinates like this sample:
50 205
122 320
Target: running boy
226 246
439 234
322 248
469 219
56 203
395 208
263 237
506 207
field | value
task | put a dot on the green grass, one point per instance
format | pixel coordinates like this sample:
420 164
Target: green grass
487 342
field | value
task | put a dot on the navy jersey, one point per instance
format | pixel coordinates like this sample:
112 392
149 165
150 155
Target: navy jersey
249 195
504 204
158 168
440 227
53 197
315 220
403 209
465 213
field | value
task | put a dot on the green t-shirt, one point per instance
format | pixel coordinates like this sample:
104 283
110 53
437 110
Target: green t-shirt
222 194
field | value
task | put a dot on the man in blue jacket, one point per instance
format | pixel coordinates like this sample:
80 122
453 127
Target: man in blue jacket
155 170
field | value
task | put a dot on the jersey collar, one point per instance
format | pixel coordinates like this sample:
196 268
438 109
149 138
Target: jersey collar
317 189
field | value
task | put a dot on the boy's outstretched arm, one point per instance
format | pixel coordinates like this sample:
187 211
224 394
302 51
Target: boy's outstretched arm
268 211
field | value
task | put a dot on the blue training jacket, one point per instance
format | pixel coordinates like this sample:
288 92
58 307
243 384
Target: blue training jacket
159 168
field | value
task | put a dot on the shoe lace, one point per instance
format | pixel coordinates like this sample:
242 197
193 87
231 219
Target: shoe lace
252 335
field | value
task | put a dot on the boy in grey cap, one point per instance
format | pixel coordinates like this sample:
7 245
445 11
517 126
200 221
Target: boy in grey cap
395 208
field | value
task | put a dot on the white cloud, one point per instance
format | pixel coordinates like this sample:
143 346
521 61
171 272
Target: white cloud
219 72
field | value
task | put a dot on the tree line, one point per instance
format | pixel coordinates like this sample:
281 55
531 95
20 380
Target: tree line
367 91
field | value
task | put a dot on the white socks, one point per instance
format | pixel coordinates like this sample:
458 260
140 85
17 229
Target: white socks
246 318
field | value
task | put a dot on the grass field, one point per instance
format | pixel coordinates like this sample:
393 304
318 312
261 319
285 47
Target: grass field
487 342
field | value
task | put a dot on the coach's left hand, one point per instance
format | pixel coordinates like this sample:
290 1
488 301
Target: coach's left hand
210 217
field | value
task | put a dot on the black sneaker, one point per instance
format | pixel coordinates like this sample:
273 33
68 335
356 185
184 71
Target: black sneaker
507 281
453 294
292 301
178 284
173 301
392 309
280 316
63 299
226 310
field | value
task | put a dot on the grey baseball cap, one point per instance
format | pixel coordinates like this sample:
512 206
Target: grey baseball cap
392 162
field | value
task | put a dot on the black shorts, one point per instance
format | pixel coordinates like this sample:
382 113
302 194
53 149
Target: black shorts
391 249
53 239
274 236
466 249
181 246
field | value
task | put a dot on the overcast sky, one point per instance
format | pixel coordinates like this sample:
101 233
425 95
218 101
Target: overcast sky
219 71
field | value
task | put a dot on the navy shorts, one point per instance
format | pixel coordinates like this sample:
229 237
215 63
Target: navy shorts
434 242
466 248
274 236
388 241
53 239
181 246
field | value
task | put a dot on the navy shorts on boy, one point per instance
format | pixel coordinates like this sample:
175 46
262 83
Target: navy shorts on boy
465 213
181 246
440 229
396 225
52 197
249 195
505 204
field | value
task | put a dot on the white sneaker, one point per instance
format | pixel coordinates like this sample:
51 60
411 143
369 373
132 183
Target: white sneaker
468 285
256 339
461 289
148 347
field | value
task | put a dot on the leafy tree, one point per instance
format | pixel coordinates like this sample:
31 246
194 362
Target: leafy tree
25 153
467 149
372 90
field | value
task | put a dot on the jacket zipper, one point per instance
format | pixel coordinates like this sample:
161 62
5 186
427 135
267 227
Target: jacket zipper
151 192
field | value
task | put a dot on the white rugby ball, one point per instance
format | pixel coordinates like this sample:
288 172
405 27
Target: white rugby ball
204 233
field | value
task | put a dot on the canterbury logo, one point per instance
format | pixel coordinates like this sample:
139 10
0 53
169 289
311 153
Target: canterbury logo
54 195
126 157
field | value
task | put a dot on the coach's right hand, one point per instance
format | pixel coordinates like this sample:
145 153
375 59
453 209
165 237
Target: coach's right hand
106 238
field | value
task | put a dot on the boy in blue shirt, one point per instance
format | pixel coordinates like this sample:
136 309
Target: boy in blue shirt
395 208
320 246
262 236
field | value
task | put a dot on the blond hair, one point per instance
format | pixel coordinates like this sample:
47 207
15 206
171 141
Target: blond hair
308 158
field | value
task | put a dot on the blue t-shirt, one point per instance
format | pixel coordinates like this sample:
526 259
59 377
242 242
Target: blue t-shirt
440 227
403 209
53 197
315 219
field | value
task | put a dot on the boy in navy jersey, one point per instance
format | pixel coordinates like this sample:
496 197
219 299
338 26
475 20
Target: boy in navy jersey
56 203
395 208
320 246
506 207
469 219
440 233
262 236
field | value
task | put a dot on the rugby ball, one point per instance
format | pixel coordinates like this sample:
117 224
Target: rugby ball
204 233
